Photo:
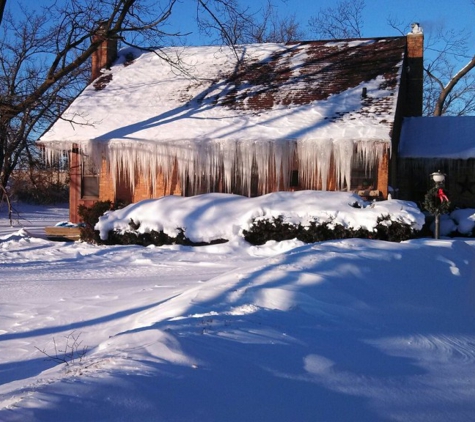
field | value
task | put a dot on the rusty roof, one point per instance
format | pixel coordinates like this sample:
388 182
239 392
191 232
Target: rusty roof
327 68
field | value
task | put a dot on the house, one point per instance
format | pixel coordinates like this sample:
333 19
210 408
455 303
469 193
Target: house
429 144
250 120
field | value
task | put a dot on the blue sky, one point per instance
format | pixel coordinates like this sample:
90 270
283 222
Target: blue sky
430 13
459 14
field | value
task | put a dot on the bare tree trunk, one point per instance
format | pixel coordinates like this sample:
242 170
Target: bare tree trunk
447 89
6 197
2 9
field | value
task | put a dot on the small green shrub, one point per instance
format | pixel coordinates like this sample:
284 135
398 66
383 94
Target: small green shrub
132 237
323 231
90 216
264 230
393 231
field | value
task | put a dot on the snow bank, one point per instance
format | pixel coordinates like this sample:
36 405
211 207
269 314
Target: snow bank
225 216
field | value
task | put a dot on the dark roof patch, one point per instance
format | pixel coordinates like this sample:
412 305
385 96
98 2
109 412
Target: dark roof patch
324 68
100 83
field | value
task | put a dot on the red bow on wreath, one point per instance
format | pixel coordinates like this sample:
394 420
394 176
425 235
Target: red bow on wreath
442 196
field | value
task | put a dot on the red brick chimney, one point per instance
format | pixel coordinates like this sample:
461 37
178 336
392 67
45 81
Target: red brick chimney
415 71
105 54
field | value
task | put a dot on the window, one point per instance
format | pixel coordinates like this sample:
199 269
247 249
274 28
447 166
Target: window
294 179
89 179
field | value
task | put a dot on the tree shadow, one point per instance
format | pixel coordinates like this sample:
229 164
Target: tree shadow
81 324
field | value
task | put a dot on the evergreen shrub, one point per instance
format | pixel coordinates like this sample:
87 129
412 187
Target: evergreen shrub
90 216
393 231
263 230
153 237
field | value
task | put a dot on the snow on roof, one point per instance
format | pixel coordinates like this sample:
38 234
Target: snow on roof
263 92
449 137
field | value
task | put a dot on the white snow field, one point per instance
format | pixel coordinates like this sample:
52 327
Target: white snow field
349 330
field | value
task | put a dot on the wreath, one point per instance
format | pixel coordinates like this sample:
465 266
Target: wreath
436 201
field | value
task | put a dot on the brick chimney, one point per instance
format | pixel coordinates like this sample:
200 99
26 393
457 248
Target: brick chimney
106 52
415 71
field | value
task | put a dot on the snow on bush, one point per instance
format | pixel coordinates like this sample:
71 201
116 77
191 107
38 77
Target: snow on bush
465 220
212 216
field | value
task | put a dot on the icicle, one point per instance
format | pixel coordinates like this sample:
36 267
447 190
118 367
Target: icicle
343 154
369 154
203 164
314 157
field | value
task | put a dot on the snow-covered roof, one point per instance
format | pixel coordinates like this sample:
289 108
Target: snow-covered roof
449 137
225 111
276 92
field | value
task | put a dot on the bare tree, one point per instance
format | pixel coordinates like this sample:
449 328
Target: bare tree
343 21
44 63
45 60
449 86
233 25
2 9
270 27
457 97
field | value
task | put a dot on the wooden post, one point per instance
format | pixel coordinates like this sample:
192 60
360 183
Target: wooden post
74 183
383 174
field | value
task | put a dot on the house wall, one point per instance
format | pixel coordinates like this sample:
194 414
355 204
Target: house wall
106 191
74 184
106 185
383 175
118 192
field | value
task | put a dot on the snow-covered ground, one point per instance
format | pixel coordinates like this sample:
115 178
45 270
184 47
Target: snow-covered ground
351 330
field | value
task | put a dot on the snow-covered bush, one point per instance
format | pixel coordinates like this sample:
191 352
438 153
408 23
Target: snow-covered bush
393 230
215 217
459 223
464 220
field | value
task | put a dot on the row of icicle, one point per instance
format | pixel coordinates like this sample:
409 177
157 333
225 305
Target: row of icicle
229 161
